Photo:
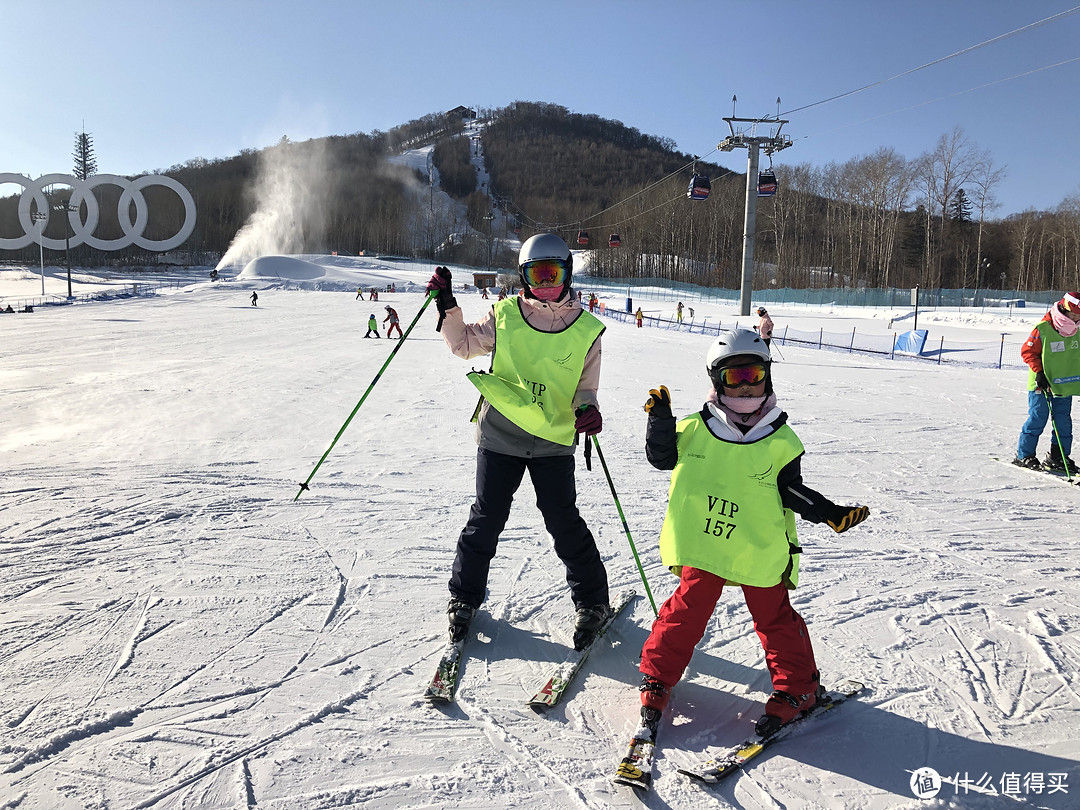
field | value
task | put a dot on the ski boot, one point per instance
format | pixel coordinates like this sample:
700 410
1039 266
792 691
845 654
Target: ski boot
588 622
460 615
1055 462
782 707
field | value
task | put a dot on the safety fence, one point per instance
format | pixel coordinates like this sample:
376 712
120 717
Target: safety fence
136 290
1005 354
657 289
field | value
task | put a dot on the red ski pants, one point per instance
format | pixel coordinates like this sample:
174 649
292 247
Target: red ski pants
684 616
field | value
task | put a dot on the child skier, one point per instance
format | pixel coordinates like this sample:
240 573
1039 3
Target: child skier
765 325
1052 352
539 394
736 479
372 326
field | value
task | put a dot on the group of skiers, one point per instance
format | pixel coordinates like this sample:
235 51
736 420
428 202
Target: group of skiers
392 317
725 524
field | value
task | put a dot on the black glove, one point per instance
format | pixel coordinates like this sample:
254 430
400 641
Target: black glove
659 404
444 299
842 518
1042 383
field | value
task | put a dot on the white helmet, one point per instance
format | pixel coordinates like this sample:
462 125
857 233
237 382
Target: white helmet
732 342
545 246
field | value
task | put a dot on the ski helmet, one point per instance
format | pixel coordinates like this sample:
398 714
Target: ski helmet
736 347
545 246
761 310
1070 302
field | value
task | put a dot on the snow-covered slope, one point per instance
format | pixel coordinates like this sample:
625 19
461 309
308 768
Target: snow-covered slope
178 632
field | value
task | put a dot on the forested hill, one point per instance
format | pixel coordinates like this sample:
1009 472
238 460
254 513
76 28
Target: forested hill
878 220
555 166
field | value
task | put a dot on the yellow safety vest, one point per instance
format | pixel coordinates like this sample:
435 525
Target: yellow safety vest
534 374
724 510
1061 361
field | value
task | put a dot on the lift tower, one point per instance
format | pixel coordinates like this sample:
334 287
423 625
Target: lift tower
744 135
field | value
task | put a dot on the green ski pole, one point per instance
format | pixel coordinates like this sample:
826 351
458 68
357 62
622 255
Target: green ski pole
626 528
430 297
1054 430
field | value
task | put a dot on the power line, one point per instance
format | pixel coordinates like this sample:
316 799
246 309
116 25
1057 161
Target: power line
999 38
946 97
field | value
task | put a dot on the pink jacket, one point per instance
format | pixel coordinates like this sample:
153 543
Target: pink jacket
765 327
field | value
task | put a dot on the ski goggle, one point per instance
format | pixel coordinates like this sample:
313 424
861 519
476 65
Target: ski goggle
734 376
545 272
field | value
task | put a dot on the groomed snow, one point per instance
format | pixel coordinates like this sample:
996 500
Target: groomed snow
177 631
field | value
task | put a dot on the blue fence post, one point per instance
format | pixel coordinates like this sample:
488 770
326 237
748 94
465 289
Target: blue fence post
941 350
1001 354
821 337
851 348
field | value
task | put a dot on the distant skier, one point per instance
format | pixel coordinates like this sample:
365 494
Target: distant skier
359 294
372 326
254 298
639 316
392 316
678 312
736 472
764 325
1054 379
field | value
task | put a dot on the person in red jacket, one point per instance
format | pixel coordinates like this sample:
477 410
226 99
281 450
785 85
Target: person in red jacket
395 322
1052 352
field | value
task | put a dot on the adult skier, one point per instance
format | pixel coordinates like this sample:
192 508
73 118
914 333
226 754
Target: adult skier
539 394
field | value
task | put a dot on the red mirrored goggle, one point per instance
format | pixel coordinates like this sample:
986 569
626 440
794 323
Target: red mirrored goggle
734 376
545 272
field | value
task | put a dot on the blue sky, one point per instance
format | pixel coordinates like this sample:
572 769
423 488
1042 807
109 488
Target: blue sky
158 83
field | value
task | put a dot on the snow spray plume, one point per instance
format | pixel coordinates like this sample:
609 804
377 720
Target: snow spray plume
290 195
427 300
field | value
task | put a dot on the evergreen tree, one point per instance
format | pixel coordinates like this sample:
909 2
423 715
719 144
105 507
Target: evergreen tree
960 207
85 162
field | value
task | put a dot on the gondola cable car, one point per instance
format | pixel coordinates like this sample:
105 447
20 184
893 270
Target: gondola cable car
699 187
583 237
766 182
614 240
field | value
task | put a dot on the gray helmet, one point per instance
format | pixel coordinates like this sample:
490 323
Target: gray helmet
545 246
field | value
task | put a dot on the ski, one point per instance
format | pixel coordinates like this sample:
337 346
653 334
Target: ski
635 769
556 683
444 682
1043 471
733 759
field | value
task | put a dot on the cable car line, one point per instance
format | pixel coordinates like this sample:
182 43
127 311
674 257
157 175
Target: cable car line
992 40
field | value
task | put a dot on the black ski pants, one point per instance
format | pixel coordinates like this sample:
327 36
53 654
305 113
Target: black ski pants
498 477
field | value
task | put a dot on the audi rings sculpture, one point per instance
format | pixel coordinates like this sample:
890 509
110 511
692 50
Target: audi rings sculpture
83 232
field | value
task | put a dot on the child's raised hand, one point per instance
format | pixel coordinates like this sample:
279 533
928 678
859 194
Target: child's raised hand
842 518
659 404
